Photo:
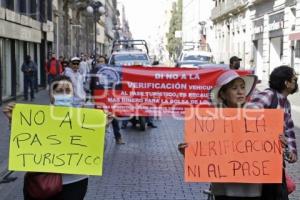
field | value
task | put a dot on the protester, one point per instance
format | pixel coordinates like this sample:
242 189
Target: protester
65 63
101 60
231 91
29 68
235 63
53 68
61 59
74 186
282 83
78 82
90 62
84 67
93 82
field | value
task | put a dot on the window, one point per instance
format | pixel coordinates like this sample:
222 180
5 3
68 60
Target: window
10 4
3 3
49 10
297 49
32 9
23 6
20 6
42 8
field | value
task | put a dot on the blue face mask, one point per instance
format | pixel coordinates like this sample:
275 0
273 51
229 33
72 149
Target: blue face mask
63 100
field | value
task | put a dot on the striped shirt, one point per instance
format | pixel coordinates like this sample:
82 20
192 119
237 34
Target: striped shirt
264 99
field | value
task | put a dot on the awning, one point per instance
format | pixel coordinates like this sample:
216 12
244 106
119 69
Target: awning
294 36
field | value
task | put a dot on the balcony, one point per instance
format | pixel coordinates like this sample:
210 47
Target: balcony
230 6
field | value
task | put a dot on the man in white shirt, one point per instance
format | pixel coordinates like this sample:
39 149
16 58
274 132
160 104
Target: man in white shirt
84 68
77 81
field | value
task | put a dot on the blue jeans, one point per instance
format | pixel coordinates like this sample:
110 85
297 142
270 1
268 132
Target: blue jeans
28 83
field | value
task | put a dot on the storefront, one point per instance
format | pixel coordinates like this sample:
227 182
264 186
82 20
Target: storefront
16 42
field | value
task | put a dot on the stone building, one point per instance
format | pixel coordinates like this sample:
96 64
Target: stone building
273 22
265 34
196 22
122 28
75 28
26 28
232 27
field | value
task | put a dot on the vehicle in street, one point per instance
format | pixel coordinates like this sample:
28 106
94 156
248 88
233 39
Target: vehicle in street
194 58
129 53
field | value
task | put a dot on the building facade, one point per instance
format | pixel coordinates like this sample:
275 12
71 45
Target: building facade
232 27
122 29
295 41
265 34
110 21
26 28
196 22
75 28
273 22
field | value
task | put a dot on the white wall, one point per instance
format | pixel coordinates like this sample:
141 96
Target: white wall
193 12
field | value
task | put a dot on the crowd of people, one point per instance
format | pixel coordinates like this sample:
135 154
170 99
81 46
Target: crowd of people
231 91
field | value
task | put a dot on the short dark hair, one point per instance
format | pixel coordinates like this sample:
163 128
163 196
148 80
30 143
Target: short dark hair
278 77
27 58
101 56
233 59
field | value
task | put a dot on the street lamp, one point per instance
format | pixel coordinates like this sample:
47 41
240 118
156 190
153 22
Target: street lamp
97 9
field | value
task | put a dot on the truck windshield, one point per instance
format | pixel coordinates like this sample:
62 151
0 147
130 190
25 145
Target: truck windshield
197 58
129 57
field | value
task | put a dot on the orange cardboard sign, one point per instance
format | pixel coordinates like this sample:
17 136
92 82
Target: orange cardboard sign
233 145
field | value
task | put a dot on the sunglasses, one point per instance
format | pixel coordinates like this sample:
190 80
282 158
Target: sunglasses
75 63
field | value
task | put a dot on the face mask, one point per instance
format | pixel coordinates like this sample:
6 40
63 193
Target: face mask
63 100
237 66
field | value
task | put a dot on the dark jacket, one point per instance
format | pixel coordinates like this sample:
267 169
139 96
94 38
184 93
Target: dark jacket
28 68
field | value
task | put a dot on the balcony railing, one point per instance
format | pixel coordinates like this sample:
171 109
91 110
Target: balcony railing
228 7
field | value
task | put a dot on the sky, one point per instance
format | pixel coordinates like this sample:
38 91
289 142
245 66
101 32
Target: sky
144 16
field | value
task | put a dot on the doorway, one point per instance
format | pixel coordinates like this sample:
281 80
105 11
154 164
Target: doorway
276 52
258 58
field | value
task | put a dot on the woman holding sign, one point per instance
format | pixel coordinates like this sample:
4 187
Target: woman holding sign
70 186
232 91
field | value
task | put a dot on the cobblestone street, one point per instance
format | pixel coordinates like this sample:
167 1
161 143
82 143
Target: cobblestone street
148 166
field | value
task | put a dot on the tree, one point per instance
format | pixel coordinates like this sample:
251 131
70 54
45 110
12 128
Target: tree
174 44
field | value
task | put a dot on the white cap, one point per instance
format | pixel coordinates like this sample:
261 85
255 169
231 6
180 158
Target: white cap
75 59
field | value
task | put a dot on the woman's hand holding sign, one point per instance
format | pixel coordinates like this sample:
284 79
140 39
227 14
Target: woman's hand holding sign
7 110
